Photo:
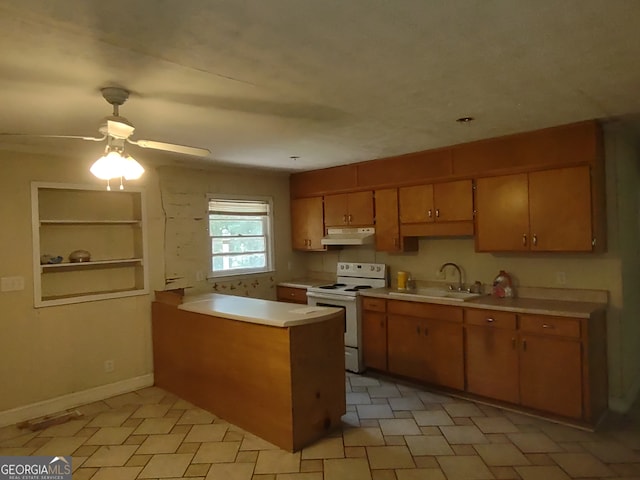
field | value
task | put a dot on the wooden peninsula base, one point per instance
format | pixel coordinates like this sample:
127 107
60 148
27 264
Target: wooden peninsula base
285 384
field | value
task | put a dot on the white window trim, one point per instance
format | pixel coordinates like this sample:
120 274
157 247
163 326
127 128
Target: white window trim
269 268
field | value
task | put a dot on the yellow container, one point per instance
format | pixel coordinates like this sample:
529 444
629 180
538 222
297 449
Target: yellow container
402 280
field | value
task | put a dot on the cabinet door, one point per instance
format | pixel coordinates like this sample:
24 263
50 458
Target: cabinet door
551 375
416 204
307 226
405 346
336 210
387 225
453 201
560 210
360 208
444 357
492 362
502 214
374 340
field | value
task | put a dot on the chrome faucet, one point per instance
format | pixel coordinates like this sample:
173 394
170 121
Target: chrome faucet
460 284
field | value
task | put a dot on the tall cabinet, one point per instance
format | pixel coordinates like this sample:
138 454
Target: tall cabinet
111 226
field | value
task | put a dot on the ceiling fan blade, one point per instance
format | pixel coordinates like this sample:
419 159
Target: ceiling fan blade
171 147
78 137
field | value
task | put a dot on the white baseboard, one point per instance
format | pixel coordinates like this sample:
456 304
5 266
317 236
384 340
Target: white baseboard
624 404
65 402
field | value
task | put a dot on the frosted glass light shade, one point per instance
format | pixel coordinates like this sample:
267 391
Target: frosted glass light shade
113 165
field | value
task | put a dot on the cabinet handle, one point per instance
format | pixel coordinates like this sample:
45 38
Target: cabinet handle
437 213
418 330
513 343
524 344
344 218
430 213
350 218
490 320
524 239
535 240
546 325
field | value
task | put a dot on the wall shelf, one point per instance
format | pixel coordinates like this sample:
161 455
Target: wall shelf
110 225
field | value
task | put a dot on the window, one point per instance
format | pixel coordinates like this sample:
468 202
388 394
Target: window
241 235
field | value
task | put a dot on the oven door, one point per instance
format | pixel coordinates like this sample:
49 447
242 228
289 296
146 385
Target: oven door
351 313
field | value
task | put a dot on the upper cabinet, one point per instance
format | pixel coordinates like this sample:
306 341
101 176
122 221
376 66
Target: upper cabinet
546 211
388 237
109 225
437 209
349 209
307 228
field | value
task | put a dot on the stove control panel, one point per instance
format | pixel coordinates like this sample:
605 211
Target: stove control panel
364 270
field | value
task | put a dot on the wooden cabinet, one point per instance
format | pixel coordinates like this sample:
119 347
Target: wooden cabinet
551 365
307 227
349 209
425 342
374 333
387 223
437 209
291 294
491 354
546 211
109 225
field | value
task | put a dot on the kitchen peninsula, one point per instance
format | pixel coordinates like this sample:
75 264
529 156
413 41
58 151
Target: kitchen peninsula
274 369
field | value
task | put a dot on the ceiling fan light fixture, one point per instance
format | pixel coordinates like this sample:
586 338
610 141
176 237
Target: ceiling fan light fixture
114 165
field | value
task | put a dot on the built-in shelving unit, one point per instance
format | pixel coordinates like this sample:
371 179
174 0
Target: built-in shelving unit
110 225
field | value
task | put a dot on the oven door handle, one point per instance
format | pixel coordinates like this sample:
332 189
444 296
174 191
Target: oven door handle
340 298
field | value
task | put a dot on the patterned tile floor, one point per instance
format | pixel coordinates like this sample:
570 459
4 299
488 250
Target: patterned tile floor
390 432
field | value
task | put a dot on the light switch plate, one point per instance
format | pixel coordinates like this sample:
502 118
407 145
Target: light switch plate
11 284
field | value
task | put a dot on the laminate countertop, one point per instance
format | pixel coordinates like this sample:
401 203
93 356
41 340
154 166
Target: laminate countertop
305 282
255 310
560 308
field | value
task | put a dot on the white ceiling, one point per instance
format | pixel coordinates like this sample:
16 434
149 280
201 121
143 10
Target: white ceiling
330 81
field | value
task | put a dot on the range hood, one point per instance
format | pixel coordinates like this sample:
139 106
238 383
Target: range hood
349 236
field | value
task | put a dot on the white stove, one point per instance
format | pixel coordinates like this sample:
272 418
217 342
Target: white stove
345 293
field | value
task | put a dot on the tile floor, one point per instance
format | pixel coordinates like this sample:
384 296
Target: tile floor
391 432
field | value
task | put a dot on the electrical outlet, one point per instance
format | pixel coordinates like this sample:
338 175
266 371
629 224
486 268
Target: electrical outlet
109 366
11 284
561 278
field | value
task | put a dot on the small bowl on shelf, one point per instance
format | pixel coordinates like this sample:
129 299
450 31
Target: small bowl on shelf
78 256
47 259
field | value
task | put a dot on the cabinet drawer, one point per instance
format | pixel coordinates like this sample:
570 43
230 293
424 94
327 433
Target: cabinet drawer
291 294
561 326
374 304
425 310
491 318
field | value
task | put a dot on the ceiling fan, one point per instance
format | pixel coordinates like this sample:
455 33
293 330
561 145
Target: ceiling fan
117 131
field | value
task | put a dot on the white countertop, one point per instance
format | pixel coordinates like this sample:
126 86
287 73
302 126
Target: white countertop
254 310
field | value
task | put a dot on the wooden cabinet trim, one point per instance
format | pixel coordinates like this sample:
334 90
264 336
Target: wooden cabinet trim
374 304
425 310
490 318
548 325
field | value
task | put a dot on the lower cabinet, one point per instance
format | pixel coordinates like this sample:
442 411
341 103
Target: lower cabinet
551 367
491 347
551 364
425 342
291 294
374 333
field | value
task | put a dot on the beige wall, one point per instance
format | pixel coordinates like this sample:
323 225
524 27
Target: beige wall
54 351
187 249
617 270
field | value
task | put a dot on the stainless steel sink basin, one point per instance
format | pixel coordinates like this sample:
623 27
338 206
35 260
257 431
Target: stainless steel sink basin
438 294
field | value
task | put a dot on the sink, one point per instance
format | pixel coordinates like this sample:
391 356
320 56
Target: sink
437 293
